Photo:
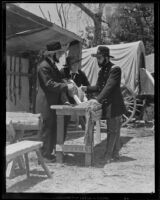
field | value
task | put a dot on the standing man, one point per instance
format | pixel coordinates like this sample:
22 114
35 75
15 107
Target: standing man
50 93
109 95
72 71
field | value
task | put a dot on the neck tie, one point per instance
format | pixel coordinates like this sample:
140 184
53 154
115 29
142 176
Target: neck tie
73 75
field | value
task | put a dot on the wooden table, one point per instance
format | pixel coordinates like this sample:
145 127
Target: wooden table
87 147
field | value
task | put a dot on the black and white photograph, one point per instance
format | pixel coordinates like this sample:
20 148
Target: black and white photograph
80 86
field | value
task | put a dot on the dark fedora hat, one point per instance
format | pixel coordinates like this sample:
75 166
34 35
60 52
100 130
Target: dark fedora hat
71 60
102 51
54 47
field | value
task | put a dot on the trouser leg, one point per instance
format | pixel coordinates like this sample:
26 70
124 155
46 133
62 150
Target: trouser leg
117 143
49 135
113 135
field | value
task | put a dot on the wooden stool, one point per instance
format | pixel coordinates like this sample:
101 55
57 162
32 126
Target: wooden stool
23 148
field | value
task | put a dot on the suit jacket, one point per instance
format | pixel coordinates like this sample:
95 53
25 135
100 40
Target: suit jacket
109 91
51 86
80 78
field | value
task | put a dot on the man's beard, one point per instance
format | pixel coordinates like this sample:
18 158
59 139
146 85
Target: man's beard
103 64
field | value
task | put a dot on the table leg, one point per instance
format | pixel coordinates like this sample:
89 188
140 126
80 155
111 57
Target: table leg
98 132
89 141
60 137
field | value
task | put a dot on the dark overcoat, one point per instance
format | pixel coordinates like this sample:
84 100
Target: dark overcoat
109 91
51 86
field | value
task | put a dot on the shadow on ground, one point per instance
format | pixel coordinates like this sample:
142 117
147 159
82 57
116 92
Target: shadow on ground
78 159
27 183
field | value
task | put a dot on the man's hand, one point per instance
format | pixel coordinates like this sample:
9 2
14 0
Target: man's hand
84 88
72 89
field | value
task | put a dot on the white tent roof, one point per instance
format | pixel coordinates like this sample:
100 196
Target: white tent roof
130 57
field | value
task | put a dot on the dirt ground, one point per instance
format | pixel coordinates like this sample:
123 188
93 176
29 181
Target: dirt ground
133 173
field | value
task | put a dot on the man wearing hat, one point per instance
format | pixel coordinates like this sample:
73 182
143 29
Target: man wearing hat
71 71
50 93
109 95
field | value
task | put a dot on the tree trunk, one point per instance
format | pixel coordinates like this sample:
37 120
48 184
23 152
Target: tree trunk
97 33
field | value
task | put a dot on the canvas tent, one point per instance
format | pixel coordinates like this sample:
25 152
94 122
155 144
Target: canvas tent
150 63
129 56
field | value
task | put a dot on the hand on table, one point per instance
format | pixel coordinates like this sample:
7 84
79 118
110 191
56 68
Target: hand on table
84 88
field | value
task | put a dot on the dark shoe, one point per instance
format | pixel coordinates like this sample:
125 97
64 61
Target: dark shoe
50 159
108 159
116 156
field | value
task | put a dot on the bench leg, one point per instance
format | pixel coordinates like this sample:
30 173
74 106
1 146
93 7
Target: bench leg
20 162
10 169
27 164
40 158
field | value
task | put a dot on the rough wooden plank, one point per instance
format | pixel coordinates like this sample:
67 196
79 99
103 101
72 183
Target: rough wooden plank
11 134
24 121
19 148
73 148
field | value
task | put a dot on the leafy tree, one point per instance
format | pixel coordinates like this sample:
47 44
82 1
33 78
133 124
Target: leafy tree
133 22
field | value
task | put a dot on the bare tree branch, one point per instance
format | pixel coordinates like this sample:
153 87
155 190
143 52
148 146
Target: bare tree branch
59 15
42 12
86 10
64 17
68 10
49 15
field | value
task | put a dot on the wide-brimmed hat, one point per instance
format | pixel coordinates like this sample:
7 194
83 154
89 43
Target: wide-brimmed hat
102 51
70 60
55 47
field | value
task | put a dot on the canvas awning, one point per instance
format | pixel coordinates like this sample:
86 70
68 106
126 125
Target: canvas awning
28 32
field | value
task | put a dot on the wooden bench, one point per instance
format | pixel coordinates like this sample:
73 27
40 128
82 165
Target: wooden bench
26 125
23 148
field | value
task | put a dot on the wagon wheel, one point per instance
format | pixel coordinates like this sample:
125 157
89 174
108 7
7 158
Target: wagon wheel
130 103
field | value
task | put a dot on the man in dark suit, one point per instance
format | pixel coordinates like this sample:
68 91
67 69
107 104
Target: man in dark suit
72 71
51 89
109 95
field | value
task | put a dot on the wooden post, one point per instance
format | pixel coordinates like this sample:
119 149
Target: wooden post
98 132
60 137
89 139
